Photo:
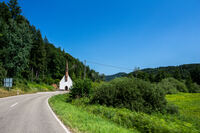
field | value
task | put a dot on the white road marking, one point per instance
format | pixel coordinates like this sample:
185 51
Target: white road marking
63 126
13 105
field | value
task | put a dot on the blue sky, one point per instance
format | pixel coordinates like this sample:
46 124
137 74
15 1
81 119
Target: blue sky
123 33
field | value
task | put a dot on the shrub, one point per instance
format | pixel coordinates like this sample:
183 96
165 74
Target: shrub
21 84
172 109
81 88
172 86
193 87
95 86
131 93
48 80
143 122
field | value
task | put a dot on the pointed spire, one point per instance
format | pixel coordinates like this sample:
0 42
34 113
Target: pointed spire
66 71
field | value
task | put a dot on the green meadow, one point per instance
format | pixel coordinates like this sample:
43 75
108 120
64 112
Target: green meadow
82 117
189 106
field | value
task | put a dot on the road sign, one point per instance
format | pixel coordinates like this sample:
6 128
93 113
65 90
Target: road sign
8 82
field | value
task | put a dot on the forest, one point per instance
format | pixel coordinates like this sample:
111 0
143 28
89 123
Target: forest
185 72
25 54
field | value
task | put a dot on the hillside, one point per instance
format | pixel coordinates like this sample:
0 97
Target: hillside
111 77
190 72
24 54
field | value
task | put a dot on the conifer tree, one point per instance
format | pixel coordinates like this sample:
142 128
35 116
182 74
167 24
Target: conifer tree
5 13
38 54
14 8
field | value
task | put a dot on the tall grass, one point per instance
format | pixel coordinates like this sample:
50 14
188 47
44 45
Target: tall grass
6 93
79 114
155 123
189 106
83 121
25 88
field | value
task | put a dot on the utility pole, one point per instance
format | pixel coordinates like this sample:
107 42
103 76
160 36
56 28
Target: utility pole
84 69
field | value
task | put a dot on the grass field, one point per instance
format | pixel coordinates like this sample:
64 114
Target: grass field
95 118
189 106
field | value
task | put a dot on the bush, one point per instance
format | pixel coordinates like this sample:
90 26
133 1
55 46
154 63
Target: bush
20 84
193 87
34 87
95 86
134 94
143 122
172 109
48 80
172 86
81 88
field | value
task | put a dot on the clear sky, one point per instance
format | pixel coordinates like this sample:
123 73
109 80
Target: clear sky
123 33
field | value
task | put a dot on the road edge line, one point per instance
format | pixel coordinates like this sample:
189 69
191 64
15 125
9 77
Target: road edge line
13 104
59 121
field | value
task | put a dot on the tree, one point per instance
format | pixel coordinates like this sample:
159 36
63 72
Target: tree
5 13
177 74
161 75
17 50
24 53
195 74
2 73
14 8
38 54
46 41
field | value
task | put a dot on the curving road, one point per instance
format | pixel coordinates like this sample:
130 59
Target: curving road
29 114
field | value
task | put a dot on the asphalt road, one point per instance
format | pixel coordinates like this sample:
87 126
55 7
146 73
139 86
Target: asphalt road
29 114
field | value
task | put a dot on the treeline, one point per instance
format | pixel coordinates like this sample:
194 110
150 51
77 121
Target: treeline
188 72
24 54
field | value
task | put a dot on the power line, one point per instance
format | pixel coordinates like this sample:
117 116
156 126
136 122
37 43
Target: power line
106 65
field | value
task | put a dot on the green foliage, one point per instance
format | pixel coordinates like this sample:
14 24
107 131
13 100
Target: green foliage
189 107
195 74
79 120
5 14
14 8
2 73
88 118
142 122
81 88
24 53
192 87
34 87
30 87
118 75
17 50
134 94
38 54
182 72
172 86
172 109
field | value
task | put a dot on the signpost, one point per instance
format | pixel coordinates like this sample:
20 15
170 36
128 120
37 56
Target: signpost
8 82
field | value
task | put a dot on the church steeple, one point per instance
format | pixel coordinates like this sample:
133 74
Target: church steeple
66 71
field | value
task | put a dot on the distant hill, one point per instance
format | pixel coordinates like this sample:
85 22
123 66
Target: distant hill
185 72
111 77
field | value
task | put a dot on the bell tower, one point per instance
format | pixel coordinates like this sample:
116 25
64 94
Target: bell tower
66 71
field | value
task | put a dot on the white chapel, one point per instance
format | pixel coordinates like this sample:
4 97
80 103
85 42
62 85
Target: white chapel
66 82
